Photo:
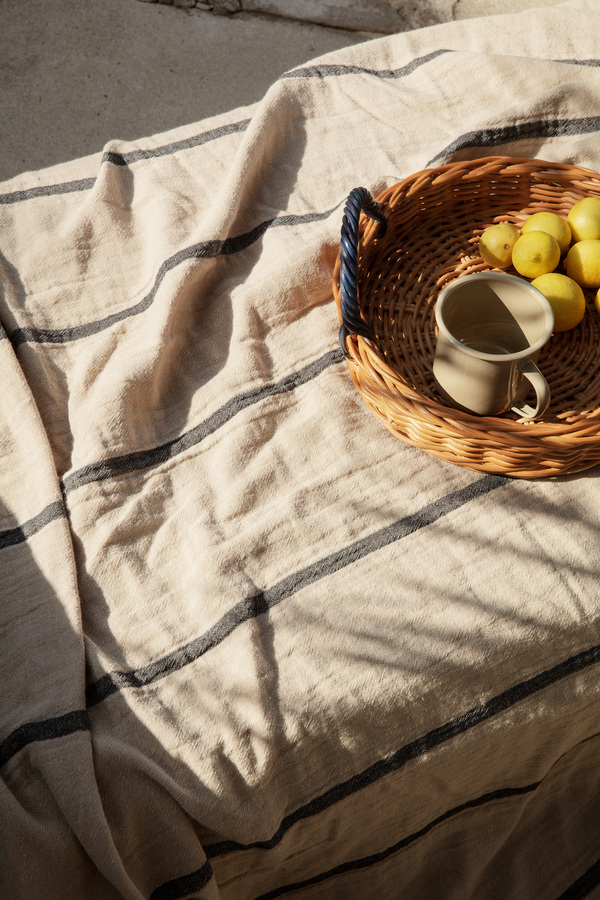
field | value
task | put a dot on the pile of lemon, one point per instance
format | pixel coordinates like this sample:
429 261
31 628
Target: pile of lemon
536 251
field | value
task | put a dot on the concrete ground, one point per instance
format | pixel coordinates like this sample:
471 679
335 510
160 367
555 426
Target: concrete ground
77 73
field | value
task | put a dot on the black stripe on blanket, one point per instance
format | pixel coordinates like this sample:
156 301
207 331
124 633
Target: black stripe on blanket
324 70
507 134
327 70
48 190
579 62
367 861
124 159
128 157
248 609
584 885
375 858
257 604
145 459
133 156
44 730
21 533
434 738
203 250
184 885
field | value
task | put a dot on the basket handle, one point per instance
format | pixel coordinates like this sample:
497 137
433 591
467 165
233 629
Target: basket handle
359 200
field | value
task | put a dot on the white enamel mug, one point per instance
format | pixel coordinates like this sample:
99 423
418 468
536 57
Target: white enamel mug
491 329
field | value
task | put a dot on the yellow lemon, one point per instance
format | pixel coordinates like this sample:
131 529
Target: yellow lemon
496 244
584 219
564 296
597 300
583 263
535 253
552 224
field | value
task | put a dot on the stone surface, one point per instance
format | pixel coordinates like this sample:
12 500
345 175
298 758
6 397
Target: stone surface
75 74
371 16
359 15
226 6
471 9
422 13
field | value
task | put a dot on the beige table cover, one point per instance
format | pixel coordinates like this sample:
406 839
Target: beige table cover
253 646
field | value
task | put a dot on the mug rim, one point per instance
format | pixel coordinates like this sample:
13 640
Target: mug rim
495 276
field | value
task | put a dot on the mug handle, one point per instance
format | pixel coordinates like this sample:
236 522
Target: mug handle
531 372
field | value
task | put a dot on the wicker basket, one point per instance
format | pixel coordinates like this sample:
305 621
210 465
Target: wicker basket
387 278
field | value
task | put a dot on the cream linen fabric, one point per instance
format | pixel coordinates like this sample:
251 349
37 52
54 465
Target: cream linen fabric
251 644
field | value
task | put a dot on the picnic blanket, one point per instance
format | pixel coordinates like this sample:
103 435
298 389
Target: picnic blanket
252 645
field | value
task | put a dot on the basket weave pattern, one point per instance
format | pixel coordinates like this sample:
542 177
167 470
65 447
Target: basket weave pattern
434 221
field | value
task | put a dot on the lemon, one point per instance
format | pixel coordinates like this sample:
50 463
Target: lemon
552 224
597 300
564 296
535 253
584 219
583 263
496 244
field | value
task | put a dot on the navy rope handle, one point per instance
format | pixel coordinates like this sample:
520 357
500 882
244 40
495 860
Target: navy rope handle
352 322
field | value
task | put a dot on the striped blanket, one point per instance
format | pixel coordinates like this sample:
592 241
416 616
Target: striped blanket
252 645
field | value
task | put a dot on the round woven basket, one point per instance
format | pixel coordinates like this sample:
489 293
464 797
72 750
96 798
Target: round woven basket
434 221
